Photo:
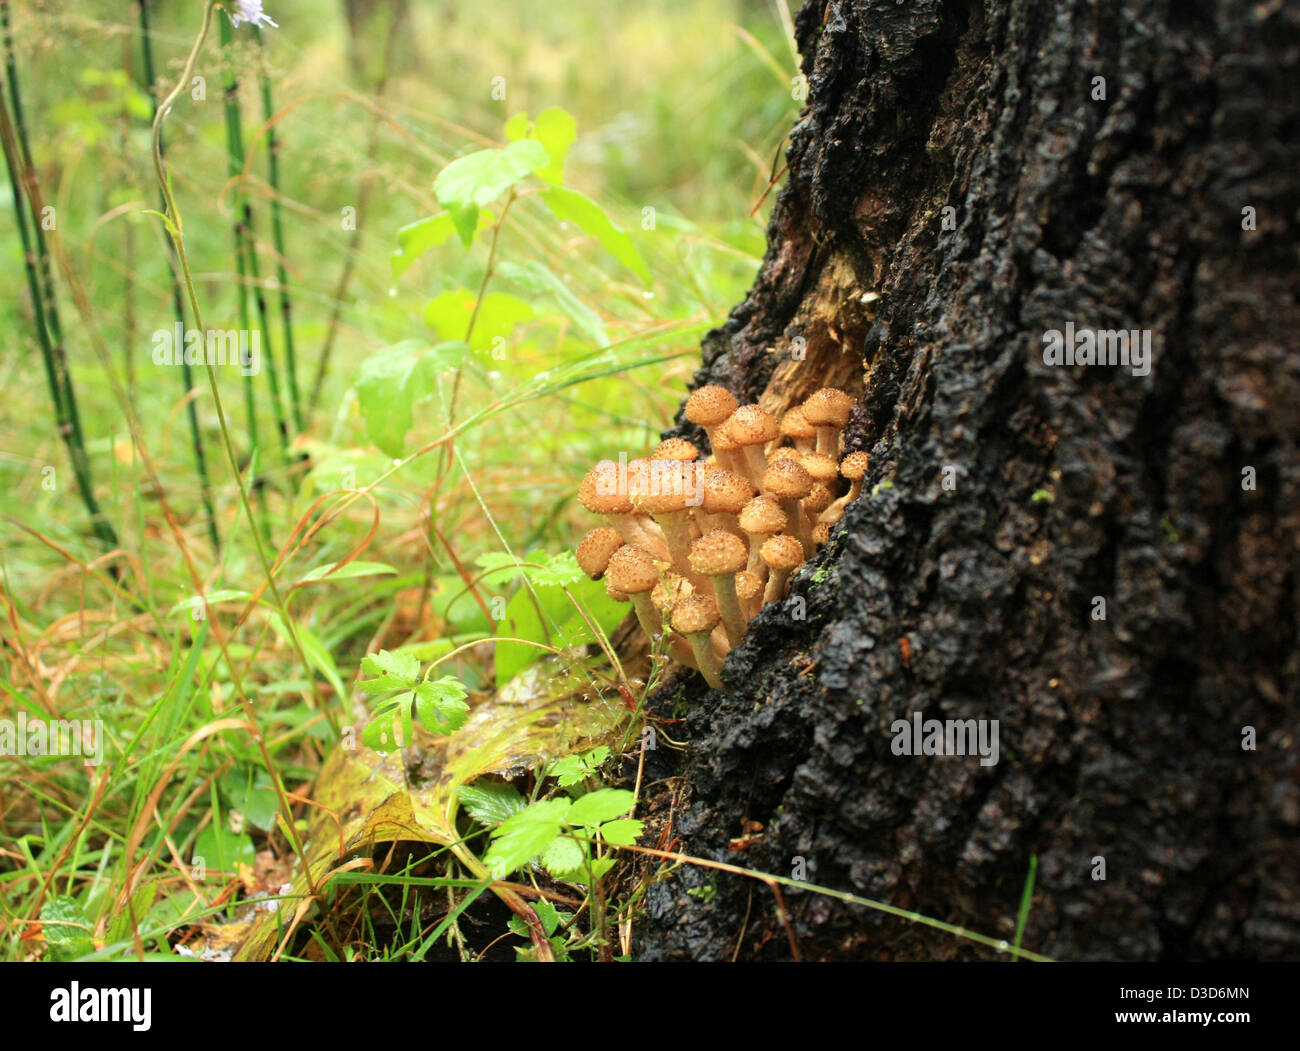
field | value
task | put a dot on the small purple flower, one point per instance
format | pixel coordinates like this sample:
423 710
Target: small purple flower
250 11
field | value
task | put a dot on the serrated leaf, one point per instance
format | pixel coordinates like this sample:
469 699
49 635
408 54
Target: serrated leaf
389 671
479 178
574 207
491 802
600 806
622 833
66 929
564 856
535 278
524 836
441 705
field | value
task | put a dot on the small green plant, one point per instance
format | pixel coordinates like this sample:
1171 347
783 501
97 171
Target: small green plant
440 705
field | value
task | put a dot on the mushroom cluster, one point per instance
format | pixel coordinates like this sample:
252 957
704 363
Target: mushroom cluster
699 545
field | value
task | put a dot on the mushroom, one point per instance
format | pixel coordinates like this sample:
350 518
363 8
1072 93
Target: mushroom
696 617
727 452
786 452
788 483
605 492
854 468
632 571
675 449
666 497
725 494
795 426
828 411
720 555
821 466
709 407
669 591
749 589
783 555
821 533
761 518
816 502
595 548
752 428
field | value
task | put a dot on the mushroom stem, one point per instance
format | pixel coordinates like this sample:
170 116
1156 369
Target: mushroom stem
828 439
677 533
651 622
705 659
641 532
776 585
835 512
724 591
755 463
795 516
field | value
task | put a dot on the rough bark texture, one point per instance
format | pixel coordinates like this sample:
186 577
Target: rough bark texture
1120 738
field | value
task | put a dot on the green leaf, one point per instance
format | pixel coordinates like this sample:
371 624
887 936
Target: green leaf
623 832
251 793
569 770
571 206
524 836
499 313
223 850
391 381
346 572
491 802
66 929
544 570
535 278
317 653
441 705
557 131
389 671
600 806
564 856
416 238
478 179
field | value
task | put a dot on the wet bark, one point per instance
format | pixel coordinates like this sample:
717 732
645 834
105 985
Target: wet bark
1006 496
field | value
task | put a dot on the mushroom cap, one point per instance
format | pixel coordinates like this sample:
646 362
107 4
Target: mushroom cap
602 492
748 585
785 453
781 552
718 553
675 449
670 591
762 515
821 466
668 487
631 570
794 424
722 439
854 466
595 548
695 615
821 533
710 406
787 480
615 594
751 425
818 499
828 407
725 492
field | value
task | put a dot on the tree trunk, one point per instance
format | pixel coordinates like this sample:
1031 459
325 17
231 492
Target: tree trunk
1105 562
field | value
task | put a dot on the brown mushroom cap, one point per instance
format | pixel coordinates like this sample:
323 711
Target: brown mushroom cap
601 491
725 492
675 449
667 488
696 614
631 571
828 407
710 406
786 453
751 425
595 548
615 594
748 586
821 466
723 442
821 533
782 552
670 591
854 466
718 553
818 499
762 515
787 480
794 424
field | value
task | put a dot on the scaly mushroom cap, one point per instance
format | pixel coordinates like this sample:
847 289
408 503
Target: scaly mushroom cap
762 515
595 548
828 407
725 492
723 442
854 466
821 533
782 552
717 553
787 480
695 615
750 425
710 406
795 425
675 449
615 594
631 571
600 492
667 490
821 466
748 586
670 591
786 453
818 500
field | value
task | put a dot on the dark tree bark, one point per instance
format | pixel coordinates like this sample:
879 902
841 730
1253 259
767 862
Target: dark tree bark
1120 738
